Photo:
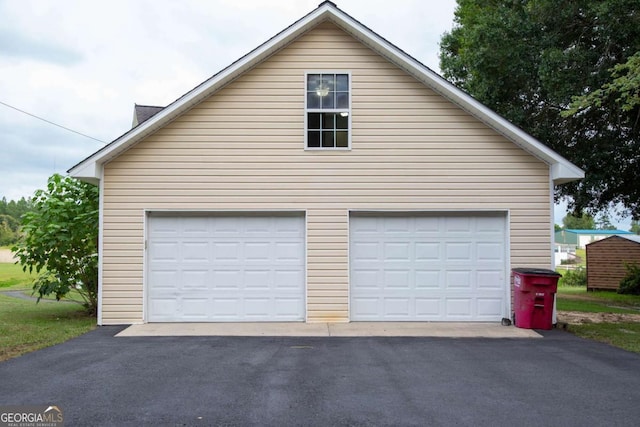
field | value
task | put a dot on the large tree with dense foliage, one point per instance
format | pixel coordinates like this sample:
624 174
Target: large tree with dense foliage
60 240
564 72
10 213
579 222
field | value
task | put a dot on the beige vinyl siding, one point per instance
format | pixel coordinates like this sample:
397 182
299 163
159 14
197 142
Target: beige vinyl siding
243 149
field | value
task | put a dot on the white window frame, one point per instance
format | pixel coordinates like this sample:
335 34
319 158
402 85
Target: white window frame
327 110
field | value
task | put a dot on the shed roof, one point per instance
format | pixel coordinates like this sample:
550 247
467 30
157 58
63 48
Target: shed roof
630 237
561 170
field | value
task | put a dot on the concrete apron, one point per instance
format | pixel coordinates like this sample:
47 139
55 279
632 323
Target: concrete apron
353 329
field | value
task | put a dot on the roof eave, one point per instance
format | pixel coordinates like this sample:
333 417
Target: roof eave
562 170
88 172
94 162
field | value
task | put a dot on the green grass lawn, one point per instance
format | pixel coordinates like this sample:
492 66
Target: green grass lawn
578 299
624 335
26 326
590 307
12 278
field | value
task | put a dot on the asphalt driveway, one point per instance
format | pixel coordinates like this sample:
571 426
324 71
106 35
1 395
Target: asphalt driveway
97 379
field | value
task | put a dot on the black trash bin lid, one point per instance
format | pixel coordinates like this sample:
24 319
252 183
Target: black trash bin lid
536 272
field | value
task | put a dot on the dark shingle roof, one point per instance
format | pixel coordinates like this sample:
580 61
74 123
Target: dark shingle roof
142 113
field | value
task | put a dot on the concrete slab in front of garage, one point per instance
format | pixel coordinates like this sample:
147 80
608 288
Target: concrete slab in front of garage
354 329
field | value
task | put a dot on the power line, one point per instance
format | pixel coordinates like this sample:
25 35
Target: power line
52 123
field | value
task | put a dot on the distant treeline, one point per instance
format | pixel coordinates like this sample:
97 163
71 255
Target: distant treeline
10 213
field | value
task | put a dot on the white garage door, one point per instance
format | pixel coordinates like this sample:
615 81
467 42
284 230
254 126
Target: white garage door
428 268
225 268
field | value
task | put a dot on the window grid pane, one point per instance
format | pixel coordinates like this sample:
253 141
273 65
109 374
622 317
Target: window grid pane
313 120
327 129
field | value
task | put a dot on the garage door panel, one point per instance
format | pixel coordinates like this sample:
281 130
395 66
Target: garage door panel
490 224
428 267
427 226
428 308
427 279
163 252
195 227
459 279
396 307
428 251
219 268
195 251
257 251
458 308
164 278
164 227
288 308
458 251
396 279
164 307
489 307
226 279
257 279
368 251
288 251
226 251
365 308
288 280
396 250
365 225
458 225
256 307
366 279
490 280
490 251
396 225
195 308
195 279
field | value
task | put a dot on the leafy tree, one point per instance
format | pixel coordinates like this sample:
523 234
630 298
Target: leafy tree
60 240
557 227
579 222
14 209
635 226
9 227
624 89
532 61
604 223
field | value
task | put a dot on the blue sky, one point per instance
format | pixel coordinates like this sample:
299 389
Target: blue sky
83 64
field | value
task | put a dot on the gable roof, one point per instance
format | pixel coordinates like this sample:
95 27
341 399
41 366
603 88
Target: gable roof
631 237
142 113
562 171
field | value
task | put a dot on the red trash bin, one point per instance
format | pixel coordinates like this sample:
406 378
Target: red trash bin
534 290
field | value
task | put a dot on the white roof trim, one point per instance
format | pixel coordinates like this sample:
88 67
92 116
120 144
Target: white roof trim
561 169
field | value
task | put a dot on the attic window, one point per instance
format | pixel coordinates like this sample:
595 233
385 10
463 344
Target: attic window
328 111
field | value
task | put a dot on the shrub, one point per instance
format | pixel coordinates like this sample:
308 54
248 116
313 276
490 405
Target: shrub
60 240
630 284
577 277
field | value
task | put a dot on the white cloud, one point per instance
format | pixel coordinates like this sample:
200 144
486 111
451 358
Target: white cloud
83 64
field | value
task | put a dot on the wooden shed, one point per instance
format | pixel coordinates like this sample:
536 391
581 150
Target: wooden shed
606 260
